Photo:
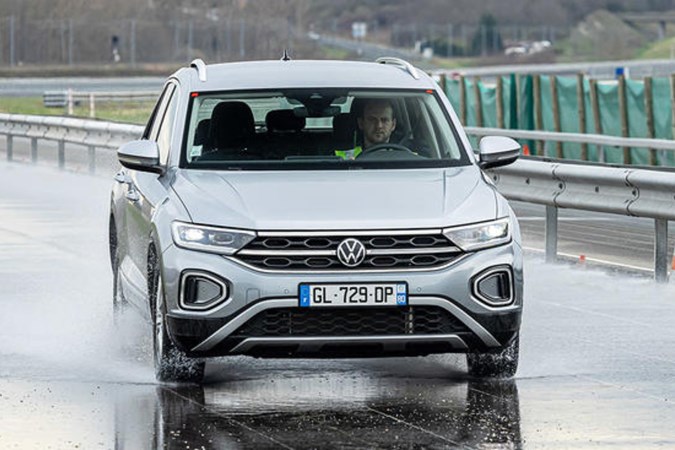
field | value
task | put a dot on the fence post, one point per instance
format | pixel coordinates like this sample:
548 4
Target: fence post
242 37
91 150
661 250
556 114
649 112
479 102
672 102
538 117
12 42
62 154
33 150
500 102
190 41
462 99
623 114
443 82
581 107
10 147
71 42
595 106
449 49
132 39
551 232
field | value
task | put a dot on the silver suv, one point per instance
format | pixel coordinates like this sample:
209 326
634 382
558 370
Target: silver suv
315 209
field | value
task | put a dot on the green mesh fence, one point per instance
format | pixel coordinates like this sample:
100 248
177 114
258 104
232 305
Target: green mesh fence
518 99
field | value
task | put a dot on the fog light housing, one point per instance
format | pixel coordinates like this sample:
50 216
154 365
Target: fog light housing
494 287
201 291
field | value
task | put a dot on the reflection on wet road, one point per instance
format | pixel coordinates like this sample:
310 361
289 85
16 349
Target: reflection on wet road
597 363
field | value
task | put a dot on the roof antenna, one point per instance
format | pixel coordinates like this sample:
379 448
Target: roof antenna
286 56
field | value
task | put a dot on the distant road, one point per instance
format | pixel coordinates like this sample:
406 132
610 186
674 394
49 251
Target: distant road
31 87
24 87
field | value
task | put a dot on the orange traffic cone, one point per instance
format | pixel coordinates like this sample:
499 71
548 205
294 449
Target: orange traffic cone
526 150
673 264
582 259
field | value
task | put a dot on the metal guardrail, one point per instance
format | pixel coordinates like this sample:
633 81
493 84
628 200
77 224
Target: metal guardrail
92 134
619 190
65 97
69 98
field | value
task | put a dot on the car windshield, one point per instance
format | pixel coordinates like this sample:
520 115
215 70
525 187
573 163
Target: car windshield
319 128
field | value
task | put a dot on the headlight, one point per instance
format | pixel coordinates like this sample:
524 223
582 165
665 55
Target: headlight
479 236
210 239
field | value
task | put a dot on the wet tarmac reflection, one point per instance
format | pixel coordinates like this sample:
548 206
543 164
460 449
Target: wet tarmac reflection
222 416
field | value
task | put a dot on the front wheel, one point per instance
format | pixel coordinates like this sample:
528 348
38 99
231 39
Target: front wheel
171 364
501 364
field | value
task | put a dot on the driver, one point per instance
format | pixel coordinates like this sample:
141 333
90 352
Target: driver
376 122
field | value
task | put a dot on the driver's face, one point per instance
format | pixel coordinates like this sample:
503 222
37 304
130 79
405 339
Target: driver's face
377 123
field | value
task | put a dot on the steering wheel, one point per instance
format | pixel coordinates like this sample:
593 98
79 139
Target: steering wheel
384 146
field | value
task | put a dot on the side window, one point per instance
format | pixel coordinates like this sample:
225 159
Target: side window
156 116
166 127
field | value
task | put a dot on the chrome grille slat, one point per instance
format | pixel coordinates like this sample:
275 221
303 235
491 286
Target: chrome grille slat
316 252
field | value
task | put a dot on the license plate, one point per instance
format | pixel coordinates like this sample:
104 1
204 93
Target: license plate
365 294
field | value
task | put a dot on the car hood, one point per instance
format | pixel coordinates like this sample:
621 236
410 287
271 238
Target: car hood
332 200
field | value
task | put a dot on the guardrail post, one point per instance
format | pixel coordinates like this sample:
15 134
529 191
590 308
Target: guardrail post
33 150
70 101
91 150
92 105
661 250
551 233
62 154
10 147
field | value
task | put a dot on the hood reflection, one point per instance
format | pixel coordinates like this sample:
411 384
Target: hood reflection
427 413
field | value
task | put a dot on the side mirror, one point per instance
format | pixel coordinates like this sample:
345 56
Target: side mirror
140 155
495 151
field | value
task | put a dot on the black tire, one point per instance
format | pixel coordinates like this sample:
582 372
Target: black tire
171 364
501 364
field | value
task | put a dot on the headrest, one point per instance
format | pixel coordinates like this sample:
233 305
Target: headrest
232 125
344 127
281 120
202 132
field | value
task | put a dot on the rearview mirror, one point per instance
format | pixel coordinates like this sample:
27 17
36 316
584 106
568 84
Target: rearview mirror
140 155
495 151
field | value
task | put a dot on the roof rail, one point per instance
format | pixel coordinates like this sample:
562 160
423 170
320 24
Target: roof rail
200 65
400 63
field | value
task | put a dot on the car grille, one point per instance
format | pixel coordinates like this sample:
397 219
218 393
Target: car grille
382 321
319 253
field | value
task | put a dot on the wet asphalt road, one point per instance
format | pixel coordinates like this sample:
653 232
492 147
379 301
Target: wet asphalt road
597 362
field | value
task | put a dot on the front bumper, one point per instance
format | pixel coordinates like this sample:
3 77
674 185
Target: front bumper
261 316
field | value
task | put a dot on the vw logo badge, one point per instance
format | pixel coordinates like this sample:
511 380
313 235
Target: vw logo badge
351 252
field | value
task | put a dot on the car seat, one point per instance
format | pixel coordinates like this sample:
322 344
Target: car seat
232 127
